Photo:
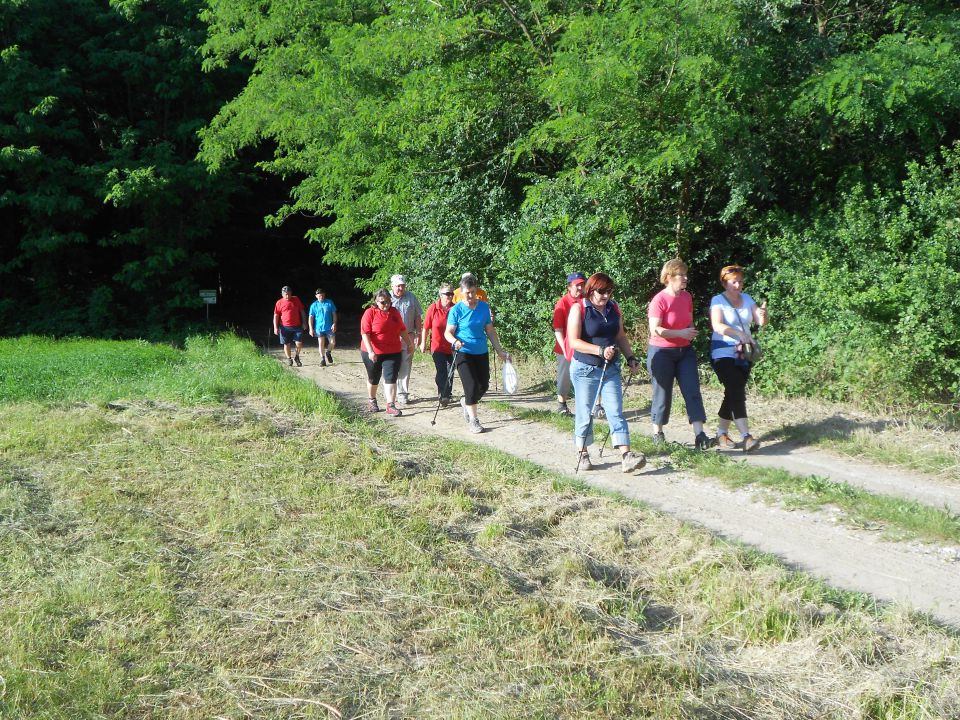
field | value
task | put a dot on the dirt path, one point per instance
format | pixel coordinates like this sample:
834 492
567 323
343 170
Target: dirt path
925 577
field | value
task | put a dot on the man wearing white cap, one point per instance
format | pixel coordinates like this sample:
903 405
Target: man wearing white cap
561 311
411 311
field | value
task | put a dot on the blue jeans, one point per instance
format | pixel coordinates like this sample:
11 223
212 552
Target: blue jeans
586 383
665 366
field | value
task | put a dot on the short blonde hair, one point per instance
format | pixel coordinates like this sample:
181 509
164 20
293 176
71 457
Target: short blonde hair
672 267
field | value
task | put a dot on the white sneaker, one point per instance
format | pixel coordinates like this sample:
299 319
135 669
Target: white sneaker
474 426
402 399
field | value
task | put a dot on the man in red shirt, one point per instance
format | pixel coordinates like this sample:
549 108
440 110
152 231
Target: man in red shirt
575 283
289 319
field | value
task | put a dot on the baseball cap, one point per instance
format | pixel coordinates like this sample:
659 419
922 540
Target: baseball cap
285 288
574 276
398 279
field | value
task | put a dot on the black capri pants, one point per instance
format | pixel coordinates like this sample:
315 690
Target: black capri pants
442 362
734 378
474 373
387 366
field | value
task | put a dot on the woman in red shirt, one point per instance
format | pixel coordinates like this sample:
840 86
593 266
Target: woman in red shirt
436 322
383 335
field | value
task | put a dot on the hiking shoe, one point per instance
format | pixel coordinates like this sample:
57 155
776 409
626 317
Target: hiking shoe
474 426
584 461
631 461
297 361
444 401
290 362
402 399
329 357
463 404
372 405
599 413
393 410
562 409
724 442
659 439
323 363
750 443
703 441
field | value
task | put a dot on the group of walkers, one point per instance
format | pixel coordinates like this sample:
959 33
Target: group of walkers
591 345
590 341
290 319
458 331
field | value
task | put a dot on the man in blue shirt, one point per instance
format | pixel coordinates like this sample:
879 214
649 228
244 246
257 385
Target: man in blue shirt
323 325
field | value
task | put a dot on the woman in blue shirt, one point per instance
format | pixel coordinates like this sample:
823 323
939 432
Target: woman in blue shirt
469 324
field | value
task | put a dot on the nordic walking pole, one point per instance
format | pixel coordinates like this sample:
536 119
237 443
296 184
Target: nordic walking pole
453 364
592 408
626 387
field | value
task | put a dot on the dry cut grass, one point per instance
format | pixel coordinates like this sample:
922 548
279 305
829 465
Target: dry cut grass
229 561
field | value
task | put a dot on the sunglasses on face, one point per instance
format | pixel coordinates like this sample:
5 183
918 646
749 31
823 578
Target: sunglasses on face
605 292
446 294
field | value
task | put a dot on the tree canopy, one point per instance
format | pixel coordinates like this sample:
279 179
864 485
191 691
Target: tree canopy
811 140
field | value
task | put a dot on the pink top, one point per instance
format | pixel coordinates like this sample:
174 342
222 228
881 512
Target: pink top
675 313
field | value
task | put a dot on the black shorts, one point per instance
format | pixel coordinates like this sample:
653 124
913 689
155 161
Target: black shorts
386 366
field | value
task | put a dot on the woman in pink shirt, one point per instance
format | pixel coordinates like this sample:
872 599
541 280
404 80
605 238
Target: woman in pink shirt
671 357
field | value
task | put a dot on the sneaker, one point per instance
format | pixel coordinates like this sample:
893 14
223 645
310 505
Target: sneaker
750 443
444 401
290 362
584 461
724 442
323 363
463 404
703 441
599 413
372 405
474 426
631 461
329 357
659 439
562 409
297 361
393 411
402 399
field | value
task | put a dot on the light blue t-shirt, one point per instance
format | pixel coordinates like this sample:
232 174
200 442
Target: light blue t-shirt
724 346
470 326
322 313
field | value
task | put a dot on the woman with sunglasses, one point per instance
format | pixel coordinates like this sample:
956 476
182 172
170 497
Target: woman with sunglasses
434 326
595 332
469 325
670 356
383 336
732 312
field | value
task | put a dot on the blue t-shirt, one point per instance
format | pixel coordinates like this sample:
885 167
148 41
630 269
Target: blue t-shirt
470 326
724 346
322 314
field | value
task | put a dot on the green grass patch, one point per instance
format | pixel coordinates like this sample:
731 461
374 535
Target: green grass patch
189 543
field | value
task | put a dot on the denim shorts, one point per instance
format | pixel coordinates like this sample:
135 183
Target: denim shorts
290 334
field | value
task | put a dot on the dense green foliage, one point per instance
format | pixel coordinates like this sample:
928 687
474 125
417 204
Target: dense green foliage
810 140
105 207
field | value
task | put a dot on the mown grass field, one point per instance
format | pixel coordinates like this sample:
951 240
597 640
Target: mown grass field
196 533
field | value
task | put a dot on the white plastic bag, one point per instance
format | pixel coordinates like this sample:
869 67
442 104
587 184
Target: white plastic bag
510 380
